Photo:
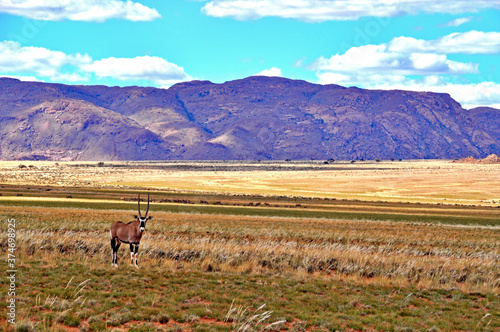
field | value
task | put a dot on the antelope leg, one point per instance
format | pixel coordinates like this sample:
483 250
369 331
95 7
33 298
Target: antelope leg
112 252
131 254
114 258
136 251
117 246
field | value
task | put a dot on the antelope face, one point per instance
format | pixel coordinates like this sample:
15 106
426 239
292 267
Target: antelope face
142 223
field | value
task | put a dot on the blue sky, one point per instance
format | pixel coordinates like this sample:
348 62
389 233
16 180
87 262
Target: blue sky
442 46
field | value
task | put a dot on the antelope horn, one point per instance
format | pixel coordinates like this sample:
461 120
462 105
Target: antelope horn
147 209
139 205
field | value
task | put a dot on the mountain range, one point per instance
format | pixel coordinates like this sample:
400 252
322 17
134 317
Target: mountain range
257 118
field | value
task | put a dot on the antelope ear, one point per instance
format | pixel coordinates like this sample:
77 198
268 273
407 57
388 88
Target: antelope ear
136 217
150 217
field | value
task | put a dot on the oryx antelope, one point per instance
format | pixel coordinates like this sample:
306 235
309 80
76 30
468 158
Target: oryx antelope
130 233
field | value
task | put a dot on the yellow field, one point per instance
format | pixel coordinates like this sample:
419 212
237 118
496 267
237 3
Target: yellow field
408 181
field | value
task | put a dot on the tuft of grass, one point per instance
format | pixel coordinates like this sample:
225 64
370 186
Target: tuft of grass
146 327
244 318
161 318
24 326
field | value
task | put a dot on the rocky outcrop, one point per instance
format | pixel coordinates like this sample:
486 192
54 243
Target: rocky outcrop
491 159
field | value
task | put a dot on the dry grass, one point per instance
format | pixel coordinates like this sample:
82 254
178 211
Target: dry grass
377 275
385 252
417 181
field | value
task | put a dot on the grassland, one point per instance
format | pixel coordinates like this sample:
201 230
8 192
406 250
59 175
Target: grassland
406 181
320 254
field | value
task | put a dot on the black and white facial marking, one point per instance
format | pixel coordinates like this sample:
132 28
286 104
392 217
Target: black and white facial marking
142 222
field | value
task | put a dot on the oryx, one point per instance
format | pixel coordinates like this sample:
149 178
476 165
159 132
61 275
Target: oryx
130 233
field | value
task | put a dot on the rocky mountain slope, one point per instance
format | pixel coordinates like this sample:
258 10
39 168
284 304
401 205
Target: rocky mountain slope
489 119
252 118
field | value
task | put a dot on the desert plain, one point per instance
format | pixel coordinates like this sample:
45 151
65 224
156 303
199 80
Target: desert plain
254 246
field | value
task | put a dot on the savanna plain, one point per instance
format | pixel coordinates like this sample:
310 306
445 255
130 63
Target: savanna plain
254 246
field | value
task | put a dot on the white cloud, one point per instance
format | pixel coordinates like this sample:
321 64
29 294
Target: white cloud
39 61
23 78
473 95
468 95
150 68
471 42
373 59
88 10
457 22
369 65
326 10
414 64
270 72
